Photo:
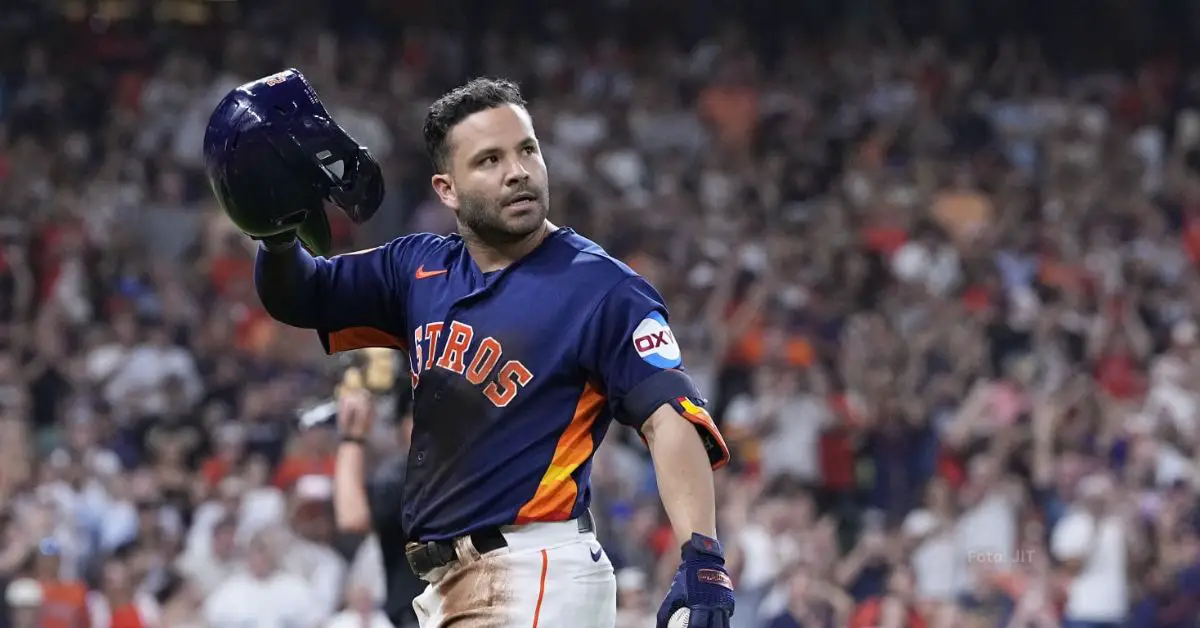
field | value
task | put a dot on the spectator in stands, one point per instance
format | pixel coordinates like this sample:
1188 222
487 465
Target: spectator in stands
634 606
64 599
896 607
24 598
118 603
207 566
812 601
1092 542
307 550
361 610
929 533
263 594
180 604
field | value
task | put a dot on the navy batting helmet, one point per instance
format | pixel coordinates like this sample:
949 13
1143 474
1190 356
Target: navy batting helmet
273 155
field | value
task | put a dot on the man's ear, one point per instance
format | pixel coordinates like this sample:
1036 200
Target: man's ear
443 185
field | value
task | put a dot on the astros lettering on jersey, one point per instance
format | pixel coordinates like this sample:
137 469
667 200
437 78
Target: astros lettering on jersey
517 373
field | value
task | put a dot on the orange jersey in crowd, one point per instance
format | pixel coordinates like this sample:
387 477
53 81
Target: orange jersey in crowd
64 605
126 616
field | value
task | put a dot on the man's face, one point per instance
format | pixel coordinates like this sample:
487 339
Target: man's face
313 521
900 584
47 566
259 560
224 541
497 181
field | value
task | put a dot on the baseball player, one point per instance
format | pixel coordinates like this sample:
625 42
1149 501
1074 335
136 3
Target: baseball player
524 341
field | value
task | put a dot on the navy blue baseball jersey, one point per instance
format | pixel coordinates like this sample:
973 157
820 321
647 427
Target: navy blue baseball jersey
517 373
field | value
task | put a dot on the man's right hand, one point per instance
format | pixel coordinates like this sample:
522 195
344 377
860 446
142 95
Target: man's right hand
278 242
356 412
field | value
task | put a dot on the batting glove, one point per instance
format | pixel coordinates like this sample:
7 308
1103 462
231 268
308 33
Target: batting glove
701 585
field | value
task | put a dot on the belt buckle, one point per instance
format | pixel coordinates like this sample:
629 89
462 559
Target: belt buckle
437 552
425 557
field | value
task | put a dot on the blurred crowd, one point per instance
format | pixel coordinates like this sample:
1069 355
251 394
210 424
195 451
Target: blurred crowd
943 298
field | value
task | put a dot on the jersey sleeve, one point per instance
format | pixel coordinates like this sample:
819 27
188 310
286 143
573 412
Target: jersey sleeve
630 350
361 296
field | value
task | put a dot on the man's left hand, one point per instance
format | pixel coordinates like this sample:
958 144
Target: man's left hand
701 585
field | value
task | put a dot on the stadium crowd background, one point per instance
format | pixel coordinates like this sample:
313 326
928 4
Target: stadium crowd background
936 263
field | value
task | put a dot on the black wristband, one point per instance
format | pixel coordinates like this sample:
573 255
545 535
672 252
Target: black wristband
357 440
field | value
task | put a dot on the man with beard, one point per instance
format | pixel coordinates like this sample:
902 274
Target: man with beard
524 341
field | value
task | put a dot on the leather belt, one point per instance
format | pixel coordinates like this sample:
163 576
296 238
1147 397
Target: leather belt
425 557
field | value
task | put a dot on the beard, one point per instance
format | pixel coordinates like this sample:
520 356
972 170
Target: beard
490 220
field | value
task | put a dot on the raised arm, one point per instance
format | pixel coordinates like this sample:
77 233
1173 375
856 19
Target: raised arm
355 300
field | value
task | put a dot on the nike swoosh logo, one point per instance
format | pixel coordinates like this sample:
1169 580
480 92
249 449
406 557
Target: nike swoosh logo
426 274
596 555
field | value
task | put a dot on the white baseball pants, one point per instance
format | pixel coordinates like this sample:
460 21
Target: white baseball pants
551 575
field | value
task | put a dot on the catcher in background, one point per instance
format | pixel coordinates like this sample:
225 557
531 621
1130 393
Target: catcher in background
525 341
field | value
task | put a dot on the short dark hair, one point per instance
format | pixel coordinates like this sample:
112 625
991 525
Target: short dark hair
480 94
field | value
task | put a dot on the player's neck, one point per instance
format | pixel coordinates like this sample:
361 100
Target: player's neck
491 256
